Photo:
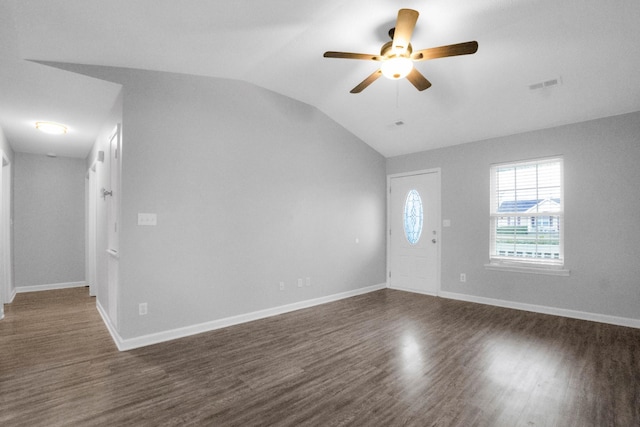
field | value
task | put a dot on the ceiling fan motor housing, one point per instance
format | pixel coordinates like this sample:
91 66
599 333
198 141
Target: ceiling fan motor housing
387 50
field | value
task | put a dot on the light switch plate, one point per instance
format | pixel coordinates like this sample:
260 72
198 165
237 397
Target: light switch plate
147 219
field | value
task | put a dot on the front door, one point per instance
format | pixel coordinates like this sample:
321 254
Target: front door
414 232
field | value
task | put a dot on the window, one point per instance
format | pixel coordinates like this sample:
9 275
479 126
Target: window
413 217
527 214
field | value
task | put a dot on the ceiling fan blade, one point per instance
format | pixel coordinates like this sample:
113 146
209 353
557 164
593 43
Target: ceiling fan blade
366 82
405 24
465 48
418 80
349 55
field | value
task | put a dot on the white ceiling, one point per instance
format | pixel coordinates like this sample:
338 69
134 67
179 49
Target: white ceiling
590 45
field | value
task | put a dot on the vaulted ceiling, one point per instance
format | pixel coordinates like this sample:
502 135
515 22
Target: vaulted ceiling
589 47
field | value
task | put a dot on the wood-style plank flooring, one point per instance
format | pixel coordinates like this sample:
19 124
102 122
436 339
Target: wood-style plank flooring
387 358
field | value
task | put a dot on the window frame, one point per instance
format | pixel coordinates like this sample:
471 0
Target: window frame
525 264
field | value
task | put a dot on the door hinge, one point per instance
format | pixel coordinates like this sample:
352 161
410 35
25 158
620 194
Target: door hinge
115 227
116 153
389 274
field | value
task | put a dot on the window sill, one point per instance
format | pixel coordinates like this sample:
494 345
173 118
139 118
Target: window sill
549 270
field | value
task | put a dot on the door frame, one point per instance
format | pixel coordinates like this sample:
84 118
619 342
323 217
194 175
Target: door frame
437 172
91 248
113 179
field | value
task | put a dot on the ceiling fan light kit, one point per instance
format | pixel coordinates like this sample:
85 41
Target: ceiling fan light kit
397 56
397 67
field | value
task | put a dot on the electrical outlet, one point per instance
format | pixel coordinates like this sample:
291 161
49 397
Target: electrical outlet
308 281
282 286
142 308
299 283
463 277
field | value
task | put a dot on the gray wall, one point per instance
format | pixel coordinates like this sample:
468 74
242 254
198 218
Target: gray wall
48 220
250 189
602 206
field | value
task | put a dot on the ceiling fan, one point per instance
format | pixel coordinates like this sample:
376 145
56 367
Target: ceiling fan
397 56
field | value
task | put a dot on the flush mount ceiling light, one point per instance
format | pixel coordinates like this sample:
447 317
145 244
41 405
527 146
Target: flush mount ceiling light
51 128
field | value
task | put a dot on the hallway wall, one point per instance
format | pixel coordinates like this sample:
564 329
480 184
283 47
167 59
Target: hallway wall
49 232
250 189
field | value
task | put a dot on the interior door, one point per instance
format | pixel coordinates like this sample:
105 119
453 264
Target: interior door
414 232
112 197
114 183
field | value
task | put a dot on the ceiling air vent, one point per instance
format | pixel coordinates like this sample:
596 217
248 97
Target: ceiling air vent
547 83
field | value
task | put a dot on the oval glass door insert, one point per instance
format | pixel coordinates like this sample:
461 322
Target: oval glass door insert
413 216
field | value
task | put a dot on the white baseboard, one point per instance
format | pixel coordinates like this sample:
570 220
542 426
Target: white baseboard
145 340
12 295
574 314
400 288
117 339
49 287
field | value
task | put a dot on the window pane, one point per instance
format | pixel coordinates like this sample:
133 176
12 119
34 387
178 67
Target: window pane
537 237
413 216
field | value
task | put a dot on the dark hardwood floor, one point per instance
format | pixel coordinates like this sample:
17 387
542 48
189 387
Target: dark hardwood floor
388 358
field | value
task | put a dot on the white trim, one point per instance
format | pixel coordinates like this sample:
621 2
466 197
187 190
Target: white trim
400 288
548 270
49 287
12 295
158 337
554 311
91 224
117 339
7 283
